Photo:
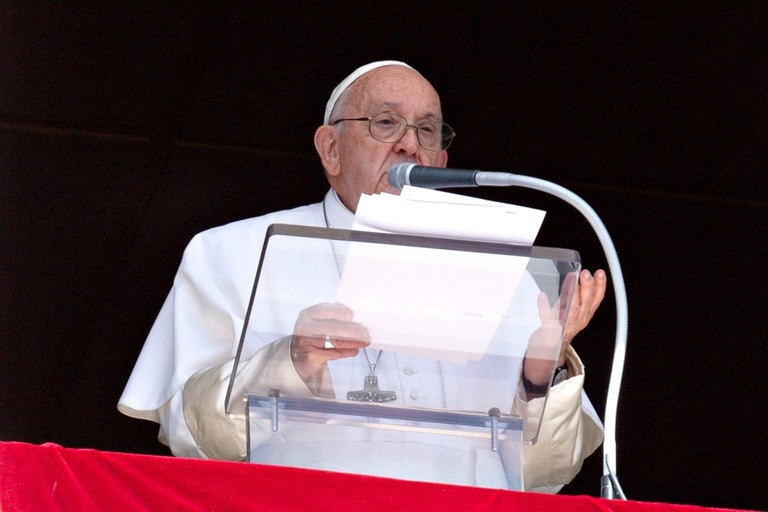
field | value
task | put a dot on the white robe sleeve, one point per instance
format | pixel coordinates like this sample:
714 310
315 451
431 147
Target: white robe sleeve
199 324
570 431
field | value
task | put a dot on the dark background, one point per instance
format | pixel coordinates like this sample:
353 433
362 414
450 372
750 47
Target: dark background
127 127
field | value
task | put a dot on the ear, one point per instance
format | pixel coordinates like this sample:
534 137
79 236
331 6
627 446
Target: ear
327 148
442 158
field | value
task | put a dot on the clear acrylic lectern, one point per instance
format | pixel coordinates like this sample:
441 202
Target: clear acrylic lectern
436 396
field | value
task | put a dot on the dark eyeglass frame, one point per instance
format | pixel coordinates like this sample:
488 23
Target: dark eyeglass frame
446 132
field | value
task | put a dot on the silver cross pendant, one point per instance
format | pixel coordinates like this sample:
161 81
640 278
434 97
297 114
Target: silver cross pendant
371 392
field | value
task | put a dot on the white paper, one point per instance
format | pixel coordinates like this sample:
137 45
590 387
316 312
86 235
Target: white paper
420 211
440 304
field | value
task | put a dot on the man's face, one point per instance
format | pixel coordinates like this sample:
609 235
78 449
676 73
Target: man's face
363 162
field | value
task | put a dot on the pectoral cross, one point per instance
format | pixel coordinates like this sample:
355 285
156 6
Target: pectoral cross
371 392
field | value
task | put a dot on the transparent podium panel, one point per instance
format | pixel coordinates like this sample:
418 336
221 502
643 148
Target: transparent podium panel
399 355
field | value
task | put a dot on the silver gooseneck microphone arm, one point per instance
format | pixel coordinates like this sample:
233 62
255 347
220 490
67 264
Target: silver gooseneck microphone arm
609 483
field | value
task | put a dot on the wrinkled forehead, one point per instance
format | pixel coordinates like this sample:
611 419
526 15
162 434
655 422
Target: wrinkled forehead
396 90
391 89
352 78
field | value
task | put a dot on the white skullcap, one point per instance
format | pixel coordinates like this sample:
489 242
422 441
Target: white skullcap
339 90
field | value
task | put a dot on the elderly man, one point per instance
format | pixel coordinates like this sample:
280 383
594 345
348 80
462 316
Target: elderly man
384 113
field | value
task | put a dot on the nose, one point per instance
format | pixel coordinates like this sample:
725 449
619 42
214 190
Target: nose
409 142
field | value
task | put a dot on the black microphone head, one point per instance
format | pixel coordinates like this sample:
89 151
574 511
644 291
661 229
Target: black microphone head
397 175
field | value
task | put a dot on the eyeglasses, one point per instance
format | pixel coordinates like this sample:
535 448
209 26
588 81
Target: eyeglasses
388 127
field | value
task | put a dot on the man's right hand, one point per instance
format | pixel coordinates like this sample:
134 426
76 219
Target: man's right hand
315 325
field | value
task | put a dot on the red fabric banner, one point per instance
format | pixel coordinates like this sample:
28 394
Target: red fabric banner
49 477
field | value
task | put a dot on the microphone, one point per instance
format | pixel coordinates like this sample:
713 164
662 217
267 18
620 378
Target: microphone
403 174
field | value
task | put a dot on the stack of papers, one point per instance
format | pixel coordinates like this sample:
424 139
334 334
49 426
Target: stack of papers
438 303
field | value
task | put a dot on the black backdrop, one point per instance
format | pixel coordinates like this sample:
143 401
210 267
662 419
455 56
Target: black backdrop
127 127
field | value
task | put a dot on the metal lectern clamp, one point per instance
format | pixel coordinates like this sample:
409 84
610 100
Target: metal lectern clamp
274 395
494 414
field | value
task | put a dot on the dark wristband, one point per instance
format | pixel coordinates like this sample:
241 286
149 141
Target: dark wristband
560 375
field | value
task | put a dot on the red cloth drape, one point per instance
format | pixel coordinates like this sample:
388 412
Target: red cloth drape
49 477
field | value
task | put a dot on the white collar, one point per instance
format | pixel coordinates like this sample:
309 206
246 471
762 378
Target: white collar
336 214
